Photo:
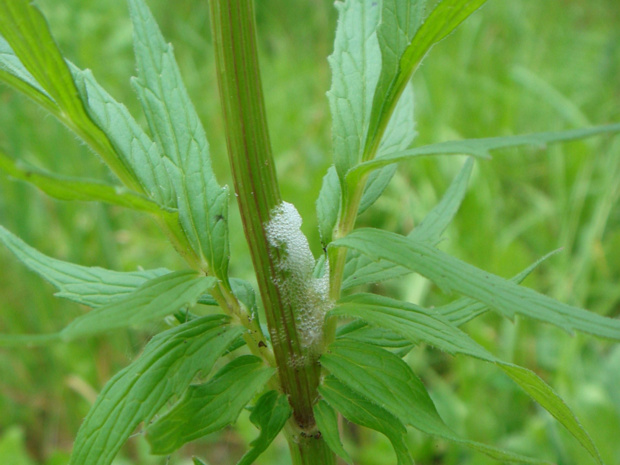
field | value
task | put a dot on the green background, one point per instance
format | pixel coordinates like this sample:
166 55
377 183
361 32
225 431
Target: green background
514 67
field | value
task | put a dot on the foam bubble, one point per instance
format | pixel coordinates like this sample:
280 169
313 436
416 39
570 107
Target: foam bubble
299 288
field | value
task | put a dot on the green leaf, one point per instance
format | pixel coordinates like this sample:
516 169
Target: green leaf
91 286
151 301
28 34
360 269
358 409
405 40
269 415
387 380
130 141
418 324
465 309
209 407
327 423
328 204
481 148
166 367
85 190
197 461
398 136
201 202
355 66
452 274
13 73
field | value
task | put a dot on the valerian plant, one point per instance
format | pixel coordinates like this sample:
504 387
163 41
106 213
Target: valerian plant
325 350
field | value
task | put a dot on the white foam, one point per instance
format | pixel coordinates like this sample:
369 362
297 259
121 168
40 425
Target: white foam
309 296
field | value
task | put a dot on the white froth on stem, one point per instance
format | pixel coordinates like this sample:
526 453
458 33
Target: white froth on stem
299 288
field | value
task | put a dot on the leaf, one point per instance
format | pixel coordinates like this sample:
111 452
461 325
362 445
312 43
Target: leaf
151 301
201 202
85 190
209 407
500 294
328 204
28 34
405 40
398 136
197 461
480 148
91 286
363 412
166 367
465 309
355 66
387 380
327 423
418 324
130 141
269 414
13 73
360 269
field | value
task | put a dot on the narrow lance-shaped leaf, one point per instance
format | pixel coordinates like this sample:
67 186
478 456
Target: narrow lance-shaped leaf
358 409
166 367
28 34
328 204
151 301
209 407
202 203
465 309
481 148
14 74
458 312
403 56
362 270
269 414
452 274
419 324
131 142
386 379
355 66
85 190
327 423
91 286
398 136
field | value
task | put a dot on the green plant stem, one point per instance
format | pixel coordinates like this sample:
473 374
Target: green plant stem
257 190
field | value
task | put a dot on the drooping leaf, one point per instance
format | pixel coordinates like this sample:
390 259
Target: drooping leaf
166 367
327 423
201 202
387 380
209 407
328 204
465 309
405 40
130 141
418 324
452 274
481 148
151 301
358 409
91 286
86 190
269 415
13 73
360 269
28 35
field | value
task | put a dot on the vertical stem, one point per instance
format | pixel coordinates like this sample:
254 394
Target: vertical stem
257 190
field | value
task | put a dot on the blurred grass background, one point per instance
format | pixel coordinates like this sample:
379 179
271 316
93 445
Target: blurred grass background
514 67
